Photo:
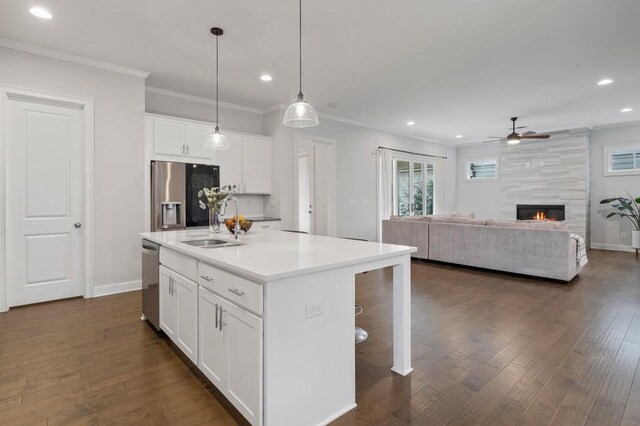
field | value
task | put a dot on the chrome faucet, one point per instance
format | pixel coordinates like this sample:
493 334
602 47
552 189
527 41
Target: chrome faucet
236 228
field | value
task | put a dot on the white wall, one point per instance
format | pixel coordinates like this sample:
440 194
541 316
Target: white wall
230 119
356 171
119 152
607 233
481 197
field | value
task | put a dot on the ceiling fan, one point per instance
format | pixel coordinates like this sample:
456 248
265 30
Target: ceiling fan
514 138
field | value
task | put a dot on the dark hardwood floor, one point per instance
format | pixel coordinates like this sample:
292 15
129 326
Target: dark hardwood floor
488 348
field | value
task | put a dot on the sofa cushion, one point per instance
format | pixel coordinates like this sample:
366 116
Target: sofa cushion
469 215
526 224
556 224
462 220
419 218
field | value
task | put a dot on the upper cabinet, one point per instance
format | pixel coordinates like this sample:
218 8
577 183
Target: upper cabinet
246 164
256 161
230 162
168 137
195 137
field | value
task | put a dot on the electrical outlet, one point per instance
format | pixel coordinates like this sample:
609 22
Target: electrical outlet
363 202
623 235
352 202
314 309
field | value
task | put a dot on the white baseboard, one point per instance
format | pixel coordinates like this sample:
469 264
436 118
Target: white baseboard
614 247
105 290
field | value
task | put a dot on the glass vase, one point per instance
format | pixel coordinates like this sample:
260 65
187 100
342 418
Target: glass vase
214 220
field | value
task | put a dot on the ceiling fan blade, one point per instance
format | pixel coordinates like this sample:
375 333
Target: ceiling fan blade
518 127
493 140
535 136
528 133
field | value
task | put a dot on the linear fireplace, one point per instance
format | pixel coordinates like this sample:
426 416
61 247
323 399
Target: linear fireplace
539 212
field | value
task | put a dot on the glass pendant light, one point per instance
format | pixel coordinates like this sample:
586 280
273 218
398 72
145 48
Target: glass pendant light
300 113
216 140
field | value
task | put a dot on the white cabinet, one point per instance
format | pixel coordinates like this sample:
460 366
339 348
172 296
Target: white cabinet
179 311
195 137
186 336
212 357
243 339
266 225
256 165
231 352
230 162
168 137
246 164
167 303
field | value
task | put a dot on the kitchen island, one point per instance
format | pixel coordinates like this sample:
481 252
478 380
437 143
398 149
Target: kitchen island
270 319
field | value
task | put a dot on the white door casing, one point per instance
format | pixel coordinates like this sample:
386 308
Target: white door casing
44 211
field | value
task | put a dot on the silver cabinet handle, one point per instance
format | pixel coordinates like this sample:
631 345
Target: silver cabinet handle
217 315
236 291
170 285
207 278
221 323
77 225
187 149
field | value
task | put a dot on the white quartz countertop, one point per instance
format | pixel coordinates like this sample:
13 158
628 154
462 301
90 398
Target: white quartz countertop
272 255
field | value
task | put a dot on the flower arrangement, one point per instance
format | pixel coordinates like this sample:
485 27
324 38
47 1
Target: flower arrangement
215 196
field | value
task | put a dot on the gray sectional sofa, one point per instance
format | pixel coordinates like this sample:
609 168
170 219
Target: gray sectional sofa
542 249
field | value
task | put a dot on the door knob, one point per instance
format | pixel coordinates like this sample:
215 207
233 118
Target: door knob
77 225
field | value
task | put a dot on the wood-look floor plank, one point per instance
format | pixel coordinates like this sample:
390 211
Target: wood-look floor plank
488 348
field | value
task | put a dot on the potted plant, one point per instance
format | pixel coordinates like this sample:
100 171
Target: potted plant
215 200
629 208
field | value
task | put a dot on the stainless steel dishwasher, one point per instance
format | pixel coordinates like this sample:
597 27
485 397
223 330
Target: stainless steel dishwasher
151 283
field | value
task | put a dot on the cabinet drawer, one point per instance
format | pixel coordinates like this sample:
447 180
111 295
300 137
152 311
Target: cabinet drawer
185 266
265 226
235 289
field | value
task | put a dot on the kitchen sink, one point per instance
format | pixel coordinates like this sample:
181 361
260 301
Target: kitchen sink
210 243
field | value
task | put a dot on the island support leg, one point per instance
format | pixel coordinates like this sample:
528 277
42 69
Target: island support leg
402 317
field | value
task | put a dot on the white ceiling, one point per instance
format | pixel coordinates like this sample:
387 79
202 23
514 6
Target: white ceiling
453 67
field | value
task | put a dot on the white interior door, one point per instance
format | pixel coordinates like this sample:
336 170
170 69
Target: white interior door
306 190
44 180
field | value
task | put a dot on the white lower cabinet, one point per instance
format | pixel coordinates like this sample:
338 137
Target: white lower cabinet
179 311
167 303
231 352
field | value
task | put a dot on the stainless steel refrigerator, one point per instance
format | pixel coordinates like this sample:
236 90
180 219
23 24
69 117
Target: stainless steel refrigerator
174 194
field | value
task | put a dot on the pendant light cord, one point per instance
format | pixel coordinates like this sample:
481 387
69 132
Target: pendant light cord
217 73
300 40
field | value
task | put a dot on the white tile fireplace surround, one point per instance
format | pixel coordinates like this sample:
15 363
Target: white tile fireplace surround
554 171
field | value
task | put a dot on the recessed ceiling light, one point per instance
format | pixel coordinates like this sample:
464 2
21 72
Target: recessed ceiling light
40 12
458 136
266 77
626 110
410 123
605 81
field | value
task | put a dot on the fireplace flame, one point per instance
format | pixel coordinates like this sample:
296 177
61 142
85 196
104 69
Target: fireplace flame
540 216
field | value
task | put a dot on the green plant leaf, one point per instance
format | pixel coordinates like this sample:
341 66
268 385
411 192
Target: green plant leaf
608 200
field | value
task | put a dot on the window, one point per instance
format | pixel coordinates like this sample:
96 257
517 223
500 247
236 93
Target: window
413 188
622 161
482 169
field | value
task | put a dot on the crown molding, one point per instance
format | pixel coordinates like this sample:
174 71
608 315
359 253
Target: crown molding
201 100
68 57
369 126
616 125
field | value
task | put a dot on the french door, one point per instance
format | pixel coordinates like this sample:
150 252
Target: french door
413 188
